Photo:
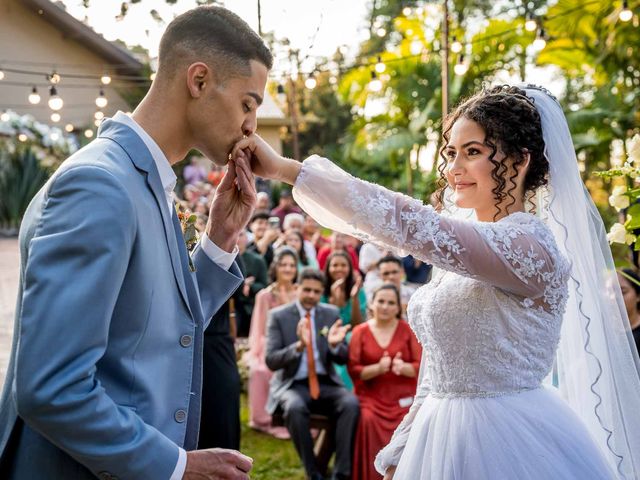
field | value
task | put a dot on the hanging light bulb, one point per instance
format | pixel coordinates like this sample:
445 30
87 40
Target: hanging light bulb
55 102
101 100
381 32
310 82
540 42
99 115
406 11
456 46
375 85
54 136
68 128
97 122
625 14
34 96
460 67
380 66
1 74
105 79
530 25
54 78
55 117
88 133
5 117
22 137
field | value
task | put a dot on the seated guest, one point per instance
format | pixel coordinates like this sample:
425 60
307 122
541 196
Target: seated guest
294 240
417 273
263 202
312 233
295 221
304 341
343 289
384 357
286 205
630 286
282 290
254 270
391 271
220 411
263 236
337 243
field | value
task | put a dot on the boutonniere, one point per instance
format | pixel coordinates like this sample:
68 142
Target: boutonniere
324 331
189 232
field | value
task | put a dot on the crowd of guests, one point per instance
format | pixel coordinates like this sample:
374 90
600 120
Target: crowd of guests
310 294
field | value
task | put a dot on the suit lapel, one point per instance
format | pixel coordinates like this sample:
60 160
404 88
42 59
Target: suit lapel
142 159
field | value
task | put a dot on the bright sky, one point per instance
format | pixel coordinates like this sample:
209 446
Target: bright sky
337 22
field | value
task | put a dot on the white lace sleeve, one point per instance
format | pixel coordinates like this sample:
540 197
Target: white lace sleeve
516 254
390 455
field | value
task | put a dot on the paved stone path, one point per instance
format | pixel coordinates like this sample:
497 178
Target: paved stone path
9 273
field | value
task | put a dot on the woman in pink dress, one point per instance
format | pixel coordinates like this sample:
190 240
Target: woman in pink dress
384 357
283 273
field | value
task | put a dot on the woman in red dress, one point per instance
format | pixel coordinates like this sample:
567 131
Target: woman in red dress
384 357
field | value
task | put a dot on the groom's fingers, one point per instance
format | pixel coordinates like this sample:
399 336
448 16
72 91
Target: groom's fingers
230 176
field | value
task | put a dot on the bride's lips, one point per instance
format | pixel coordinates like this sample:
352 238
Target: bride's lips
464 185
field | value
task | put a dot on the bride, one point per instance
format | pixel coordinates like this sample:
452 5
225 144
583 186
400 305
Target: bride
528 367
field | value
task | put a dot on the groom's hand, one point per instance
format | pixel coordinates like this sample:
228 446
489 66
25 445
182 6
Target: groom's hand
217 463
232 204
266 162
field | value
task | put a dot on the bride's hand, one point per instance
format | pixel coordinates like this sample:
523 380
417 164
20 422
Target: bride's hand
266 162
388 475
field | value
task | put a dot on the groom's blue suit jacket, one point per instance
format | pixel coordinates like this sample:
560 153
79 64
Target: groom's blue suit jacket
105 371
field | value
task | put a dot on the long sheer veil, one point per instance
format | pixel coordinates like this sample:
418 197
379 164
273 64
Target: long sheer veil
597 368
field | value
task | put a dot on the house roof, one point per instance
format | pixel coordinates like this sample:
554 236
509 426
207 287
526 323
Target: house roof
75 29
270 114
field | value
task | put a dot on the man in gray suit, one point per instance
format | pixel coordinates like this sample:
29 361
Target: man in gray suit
304 339
106 366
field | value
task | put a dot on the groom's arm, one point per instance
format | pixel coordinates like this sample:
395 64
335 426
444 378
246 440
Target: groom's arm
77 261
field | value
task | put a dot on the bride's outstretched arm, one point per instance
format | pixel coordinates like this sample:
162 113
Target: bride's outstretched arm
512 256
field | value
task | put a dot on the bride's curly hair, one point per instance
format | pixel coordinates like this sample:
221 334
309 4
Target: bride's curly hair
512 124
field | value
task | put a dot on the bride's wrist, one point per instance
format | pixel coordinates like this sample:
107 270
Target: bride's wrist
289 171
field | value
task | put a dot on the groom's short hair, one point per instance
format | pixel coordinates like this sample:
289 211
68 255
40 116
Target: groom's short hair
213 35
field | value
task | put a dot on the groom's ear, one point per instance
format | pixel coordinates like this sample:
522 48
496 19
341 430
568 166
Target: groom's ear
198 77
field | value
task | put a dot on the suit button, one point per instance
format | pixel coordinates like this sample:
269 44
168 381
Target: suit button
180 416
185 340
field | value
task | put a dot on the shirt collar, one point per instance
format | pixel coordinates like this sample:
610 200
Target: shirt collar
167 176
303 311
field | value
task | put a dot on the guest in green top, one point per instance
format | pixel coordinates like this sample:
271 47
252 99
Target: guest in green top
343 288
295 240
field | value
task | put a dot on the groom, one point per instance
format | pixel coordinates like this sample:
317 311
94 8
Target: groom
105 372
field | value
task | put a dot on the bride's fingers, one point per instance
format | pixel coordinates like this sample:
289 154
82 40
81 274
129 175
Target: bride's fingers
245 143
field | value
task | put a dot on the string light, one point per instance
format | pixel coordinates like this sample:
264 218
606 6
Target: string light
105 79
540 42
97 122
5 117
1 74
55 117
55 102
88 133
380 66
99 115
625 14
381 32
310 82
34 96
101 100
406 11
375 85
22 137
530 25
54 136
54 78
456 46
69 127
460 67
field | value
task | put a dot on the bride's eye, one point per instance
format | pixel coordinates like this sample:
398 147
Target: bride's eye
450 154
473 151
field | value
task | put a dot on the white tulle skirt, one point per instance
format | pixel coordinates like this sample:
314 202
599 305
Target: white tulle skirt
531 435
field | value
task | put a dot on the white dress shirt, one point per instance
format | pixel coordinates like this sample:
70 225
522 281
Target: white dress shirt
168 179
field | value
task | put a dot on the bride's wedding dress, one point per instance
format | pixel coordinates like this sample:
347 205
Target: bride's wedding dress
489 323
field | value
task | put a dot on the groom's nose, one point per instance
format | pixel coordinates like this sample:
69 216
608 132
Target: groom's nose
250 124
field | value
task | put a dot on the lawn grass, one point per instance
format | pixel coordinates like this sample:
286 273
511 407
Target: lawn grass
273 459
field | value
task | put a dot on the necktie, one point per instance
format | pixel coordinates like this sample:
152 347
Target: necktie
314 386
